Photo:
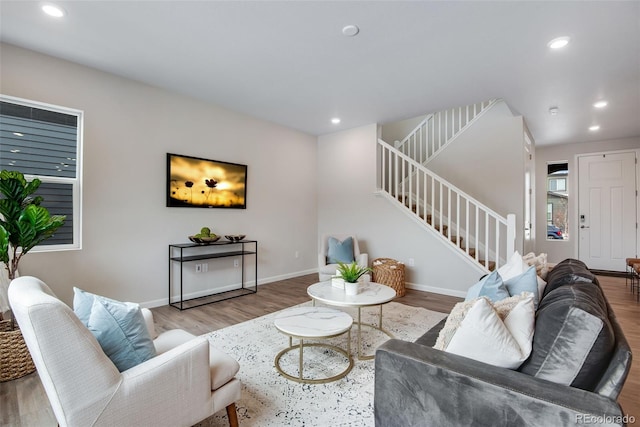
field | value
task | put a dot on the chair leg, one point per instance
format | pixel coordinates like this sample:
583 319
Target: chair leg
233 415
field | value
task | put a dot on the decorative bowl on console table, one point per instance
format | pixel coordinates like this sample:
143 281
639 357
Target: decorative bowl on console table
235 237
203 240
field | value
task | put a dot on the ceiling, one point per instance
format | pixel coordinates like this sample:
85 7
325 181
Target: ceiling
289 63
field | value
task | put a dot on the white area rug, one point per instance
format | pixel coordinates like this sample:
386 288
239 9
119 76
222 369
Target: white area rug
268 399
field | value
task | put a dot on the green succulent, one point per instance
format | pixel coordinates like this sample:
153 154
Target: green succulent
24 223
205 231
352 272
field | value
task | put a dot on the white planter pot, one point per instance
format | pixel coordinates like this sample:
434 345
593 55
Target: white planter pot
351 288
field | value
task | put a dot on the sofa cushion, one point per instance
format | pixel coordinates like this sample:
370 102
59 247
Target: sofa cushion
340 251
487 336
119 328
222 366
569 271
490 286
573 337
525 282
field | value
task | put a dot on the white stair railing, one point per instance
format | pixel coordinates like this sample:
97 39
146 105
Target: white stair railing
426 195
438 129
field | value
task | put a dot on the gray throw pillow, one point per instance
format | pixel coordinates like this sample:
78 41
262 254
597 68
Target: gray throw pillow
573 337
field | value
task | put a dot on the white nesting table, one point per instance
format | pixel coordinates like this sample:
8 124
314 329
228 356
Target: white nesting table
370 294
313 323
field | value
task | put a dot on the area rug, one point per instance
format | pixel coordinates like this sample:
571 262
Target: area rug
268 399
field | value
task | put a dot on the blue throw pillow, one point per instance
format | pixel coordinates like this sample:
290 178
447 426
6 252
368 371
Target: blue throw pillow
490 286
119 328
340 251
525 282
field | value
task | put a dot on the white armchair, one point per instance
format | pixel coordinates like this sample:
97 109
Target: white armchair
185 383
327 270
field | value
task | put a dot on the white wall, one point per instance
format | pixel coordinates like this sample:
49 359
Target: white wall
557 250
347 204
129 128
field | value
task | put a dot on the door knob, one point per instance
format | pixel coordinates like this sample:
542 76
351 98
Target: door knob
584 226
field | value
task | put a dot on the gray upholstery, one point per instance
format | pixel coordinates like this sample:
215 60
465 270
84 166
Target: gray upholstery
417 385
574 339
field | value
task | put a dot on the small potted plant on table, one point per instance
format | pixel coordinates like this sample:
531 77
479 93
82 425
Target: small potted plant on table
351 273
23 225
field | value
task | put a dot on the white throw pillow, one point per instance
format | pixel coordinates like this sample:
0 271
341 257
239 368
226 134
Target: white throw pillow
514 267
498 337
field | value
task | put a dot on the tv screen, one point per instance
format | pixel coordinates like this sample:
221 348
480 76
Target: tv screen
201 183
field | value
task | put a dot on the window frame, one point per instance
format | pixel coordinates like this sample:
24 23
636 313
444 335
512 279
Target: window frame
566 191
76 183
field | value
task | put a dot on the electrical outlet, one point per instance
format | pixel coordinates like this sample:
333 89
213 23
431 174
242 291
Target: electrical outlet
205 267
198 268
236 263
411 262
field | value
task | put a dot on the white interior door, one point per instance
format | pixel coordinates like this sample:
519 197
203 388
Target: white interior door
607 210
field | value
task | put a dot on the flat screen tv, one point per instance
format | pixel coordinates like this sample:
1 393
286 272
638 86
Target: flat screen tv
193 182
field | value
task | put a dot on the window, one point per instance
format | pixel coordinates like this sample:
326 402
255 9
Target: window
44 141
557 201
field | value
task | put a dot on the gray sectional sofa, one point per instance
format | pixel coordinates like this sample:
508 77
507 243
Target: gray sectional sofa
576 370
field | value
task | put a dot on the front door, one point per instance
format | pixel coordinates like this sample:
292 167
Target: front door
607 209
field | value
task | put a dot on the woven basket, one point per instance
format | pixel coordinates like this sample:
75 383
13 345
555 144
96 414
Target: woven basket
390 272
15 360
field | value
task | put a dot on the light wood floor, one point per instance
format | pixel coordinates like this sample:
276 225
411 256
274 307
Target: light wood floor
24 402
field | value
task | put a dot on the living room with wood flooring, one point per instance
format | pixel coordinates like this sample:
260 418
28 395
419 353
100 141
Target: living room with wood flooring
393 130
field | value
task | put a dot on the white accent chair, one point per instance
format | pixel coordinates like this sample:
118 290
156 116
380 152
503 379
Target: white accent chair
187 381
326 271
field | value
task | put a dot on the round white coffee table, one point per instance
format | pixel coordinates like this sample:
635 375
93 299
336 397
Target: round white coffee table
370 294
313 323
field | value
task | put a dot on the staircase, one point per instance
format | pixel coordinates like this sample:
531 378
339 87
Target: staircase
437 130
474 231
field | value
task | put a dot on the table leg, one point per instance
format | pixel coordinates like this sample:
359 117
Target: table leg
301 347
359 342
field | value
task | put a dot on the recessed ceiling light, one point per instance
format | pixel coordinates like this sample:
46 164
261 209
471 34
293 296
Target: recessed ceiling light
53 10
594 128
335 120
559 42
554 111
350 30
600 104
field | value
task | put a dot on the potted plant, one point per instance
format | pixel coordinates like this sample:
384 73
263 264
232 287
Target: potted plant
23 225
351 273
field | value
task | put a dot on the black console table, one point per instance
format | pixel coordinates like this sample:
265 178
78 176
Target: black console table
182 253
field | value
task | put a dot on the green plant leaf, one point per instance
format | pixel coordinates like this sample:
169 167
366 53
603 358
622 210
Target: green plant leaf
352 272
4 245
36 225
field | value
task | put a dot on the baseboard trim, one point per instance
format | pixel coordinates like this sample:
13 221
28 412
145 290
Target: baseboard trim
436 290
263 281
609 273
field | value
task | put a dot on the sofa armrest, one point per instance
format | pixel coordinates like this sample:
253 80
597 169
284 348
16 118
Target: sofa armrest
363 260
418 385
173 388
